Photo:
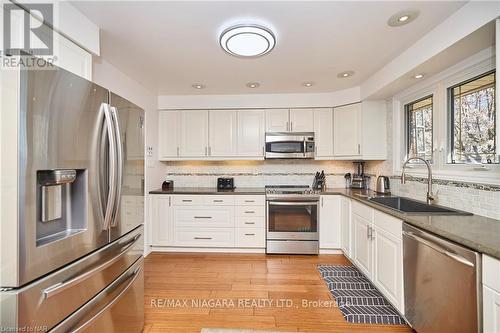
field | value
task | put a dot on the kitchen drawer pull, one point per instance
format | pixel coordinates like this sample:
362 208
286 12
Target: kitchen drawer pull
249 212
249 200
186 200
218 201
203 217
249 222
249 234
206 238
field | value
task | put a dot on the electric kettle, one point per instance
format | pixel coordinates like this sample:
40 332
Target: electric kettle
383 185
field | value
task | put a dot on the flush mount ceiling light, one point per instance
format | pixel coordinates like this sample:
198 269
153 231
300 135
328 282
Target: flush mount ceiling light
308 84
418 76
402 18
253 85
247 41
198 86
345 74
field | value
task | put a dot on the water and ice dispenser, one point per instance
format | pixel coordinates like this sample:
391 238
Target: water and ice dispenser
62 198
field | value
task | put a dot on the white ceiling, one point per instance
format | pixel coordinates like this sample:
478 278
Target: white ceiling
168 46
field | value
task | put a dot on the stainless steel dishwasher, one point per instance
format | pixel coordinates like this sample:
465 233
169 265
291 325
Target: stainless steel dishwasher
441 284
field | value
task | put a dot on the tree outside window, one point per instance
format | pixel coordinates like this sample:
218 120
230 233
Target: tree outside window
473 123
419 128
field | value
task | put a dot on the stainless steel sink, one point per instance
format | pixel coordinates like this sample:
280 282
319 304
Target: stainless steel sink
415 207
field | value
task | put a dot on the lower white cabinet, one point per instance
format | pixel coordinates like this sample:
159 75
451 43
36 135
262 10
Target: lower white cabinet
208 221
491 294
329 222
377 251
345 226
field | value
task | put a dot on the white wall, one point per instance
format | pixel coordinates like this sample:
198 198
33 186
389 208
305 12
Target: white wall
112 78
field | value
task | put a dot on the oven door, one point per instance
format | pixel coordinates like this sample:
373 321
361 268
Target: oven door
292 220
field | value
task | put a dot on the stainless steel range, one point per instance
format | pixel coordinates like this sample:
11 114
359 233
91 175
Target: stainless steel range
292 219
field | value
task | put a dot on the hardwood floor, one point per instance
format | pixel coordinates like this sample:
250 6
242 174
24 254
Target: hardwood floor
184 292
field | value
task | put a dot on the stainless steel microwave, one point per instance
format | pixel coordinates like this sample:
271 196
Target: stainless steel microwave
290 145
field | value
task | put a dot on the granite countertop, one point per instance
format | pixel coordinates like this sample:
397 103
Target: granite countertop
212 190
476 232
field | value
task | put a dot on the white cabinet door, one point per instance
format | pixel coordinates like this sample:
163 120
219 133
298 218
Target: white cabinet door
491 310
222 133
302 120
161 220
345 226
251 133
169 134
388 265
323 132
347 130
194 133
362 247
277 120
329 222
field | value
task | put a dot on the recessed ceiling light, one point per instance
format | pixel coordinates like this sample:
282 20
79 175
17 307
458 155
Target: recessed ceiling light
418 76
253 85
247 40
345 74
402 18
198 86
308 84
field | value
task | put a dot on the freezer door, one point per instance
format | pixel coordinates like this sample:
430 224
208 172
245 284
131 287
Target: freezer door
118 308
48 301
62 132
129 205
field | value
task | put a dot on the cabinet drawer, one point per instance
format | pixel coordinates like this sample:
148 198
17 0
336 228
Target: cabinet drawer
362 210
250 237
196 216
219 200
204 237
250 222
250 200
188 200
388 223
247 211
491 273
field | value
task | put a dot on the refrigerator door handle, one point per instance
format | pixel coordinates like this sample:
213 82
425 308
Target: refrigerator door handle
72 324
119 167
112 167
61 286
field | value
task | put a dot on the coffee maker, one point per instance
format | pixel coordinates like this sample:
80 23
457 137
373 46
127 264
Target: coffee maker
358 179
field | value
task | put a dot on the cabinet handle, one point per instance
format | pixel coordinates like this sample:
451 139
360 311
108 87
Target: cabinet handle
203 217
218 200
249 222
178 151
291 126
209 151
249 234
207 238
322 202
206 151
249 200
287 126
263 151
186 200
249 212
359 149
169 201
368 232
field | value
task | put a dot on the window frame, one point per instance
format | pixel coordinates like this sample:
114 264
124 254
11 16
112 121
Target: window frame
476 65
407 127
451 118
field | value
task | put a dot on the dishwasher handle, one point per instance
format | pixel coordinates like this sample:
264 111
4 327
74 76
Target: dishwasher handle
439 248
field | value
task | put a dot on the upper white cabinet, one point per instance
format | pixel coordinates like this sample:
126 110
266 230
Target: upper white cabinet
250 133
222 133
329 219
323 133
360 131
277 120
301 120
169 134
194 133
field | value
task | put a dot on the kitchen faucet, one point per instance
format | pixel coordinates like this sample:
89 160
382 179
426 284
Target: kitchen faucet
430 196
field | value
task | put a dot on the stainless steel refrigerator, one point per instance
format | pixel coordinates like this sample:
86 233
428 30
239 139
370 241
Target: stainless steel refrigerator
71 245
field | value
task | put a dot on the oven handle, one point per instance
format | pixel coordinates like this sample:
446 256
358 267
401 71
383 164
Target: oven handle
292 203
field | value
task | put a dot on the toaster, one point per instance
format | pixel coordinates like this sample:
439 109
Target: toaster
225 183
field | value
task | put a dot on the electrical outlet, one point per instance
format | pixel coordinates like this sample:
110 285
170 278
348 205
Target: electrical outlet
149 151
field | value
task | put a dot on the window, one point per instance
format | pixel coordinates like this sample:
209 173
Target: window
419 128
473 114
